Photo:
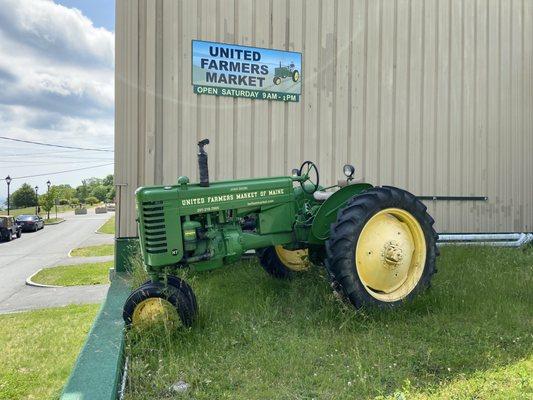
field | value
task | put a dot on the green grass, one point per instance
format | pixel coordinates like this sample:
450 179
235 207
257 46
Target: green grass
31 210
108 227
39 349
94 251
43 214
469 337
52 221
73 275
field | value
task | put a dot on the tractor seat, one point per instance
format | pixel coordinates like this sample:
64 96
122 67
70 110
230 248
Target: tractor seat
321 196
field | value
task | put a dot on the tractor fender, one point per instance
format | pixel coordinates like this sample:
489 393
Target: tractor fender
327 213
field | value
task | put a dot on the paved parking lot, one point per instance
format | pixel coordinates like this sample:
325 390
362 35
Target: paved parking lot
22 257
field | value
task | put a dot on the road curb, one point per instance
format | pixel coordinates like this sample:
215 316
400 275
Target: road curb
105 222
29 281
56 223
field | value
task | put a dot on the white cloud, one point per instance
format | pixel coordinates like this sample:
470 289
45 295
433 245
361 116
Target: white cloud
56 74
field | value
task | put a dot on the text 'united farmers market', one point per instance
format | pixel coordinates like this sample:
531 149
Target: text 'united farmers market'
242 62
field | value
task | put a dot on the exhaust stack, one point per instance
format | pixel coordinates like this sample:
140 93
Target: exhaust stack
203 167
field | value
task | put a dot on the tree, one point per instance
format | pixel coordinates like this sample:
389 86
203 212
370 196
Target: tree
82 192
108 180
65 192
23 197
47 200
110 198
100 192
91 200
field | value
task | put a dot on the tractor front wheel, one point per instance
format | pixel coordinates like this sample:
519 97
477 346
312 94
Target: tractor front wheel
280 262
277 80
382 248
159 302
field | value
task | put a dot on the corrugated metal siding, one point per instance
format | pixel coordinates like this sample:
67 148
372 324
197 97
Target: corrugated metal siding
432 96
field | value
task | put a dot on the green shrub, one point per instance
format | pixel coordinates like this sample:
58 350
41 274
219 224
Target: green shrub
91 200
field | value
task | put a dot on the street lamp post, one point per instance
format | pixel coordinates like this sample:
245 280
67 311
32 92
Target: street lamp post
8 181
36 200
48 183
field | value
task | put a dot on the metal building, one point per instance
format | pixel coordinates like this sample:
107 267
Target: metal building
435 96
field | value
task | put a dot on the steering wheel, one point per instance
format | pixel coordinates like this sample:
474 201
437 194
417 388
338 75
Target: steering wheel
305 170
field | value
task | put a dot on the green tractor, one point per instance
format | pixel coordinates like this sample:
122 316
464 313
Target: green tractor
377 244
286 72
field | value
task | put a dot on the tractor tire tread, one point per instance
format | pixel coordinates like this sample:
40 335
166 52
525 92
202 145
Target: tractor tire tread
340 247
271 264
182 298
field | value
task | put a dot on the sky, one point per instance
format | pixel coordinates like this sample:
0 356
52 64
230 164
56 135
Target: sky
56 87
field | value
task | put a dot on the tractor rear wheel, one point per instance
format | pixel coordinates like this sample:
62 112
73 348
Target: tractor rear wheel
280 262
295 75
382 248
157 302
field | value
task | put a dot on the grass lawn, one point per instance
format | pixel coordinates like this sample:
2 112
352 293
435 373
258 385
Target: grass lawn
94 251
52 221
108 227
72 275
31 211
469 337
39 349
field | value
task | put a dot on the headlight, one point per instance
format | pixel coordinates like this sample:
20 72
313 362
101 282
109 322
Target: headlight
348 170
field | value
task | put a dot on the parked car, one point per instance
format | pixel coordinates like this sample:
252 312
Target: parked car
9 228
30 223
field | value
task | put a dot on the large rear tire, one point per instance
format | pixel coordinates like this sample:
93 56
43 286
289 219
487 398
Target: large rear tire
382 248
280 262
295 75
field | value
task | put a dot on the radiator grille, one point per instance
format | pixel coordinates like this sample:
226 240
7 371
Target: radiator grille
155 238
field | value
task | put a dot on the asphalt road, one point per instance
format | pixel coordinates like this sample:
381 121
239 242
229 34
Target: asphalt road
48 247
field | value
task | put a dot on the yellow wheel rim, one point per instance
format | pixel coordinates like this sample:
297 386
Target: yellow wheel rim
295 260
390 254
296 76
153 310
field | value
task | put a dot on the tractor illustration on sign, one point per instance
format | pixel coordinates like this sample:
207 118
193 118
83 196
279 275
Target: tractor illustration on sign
377 244
286 72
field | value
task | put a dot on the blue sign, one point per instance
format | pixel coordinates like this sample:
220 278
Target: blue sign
222 69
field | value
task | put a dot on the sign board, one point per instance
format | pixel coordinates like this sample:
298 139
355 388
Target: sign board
222 69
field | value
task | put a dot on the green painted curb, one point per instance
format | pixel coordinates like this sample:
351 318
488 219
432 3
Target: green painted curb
98 369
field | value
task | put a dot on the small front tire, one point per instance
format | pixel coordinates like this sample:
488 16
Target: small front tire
154 301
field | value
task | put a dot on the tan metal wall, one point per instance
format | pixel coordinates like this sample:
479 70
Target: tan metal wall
432 96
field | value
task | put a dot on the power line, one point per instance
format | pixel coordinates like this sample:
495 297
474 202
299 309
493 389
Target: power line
54 145
59 172
25 163
41 153
52 156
